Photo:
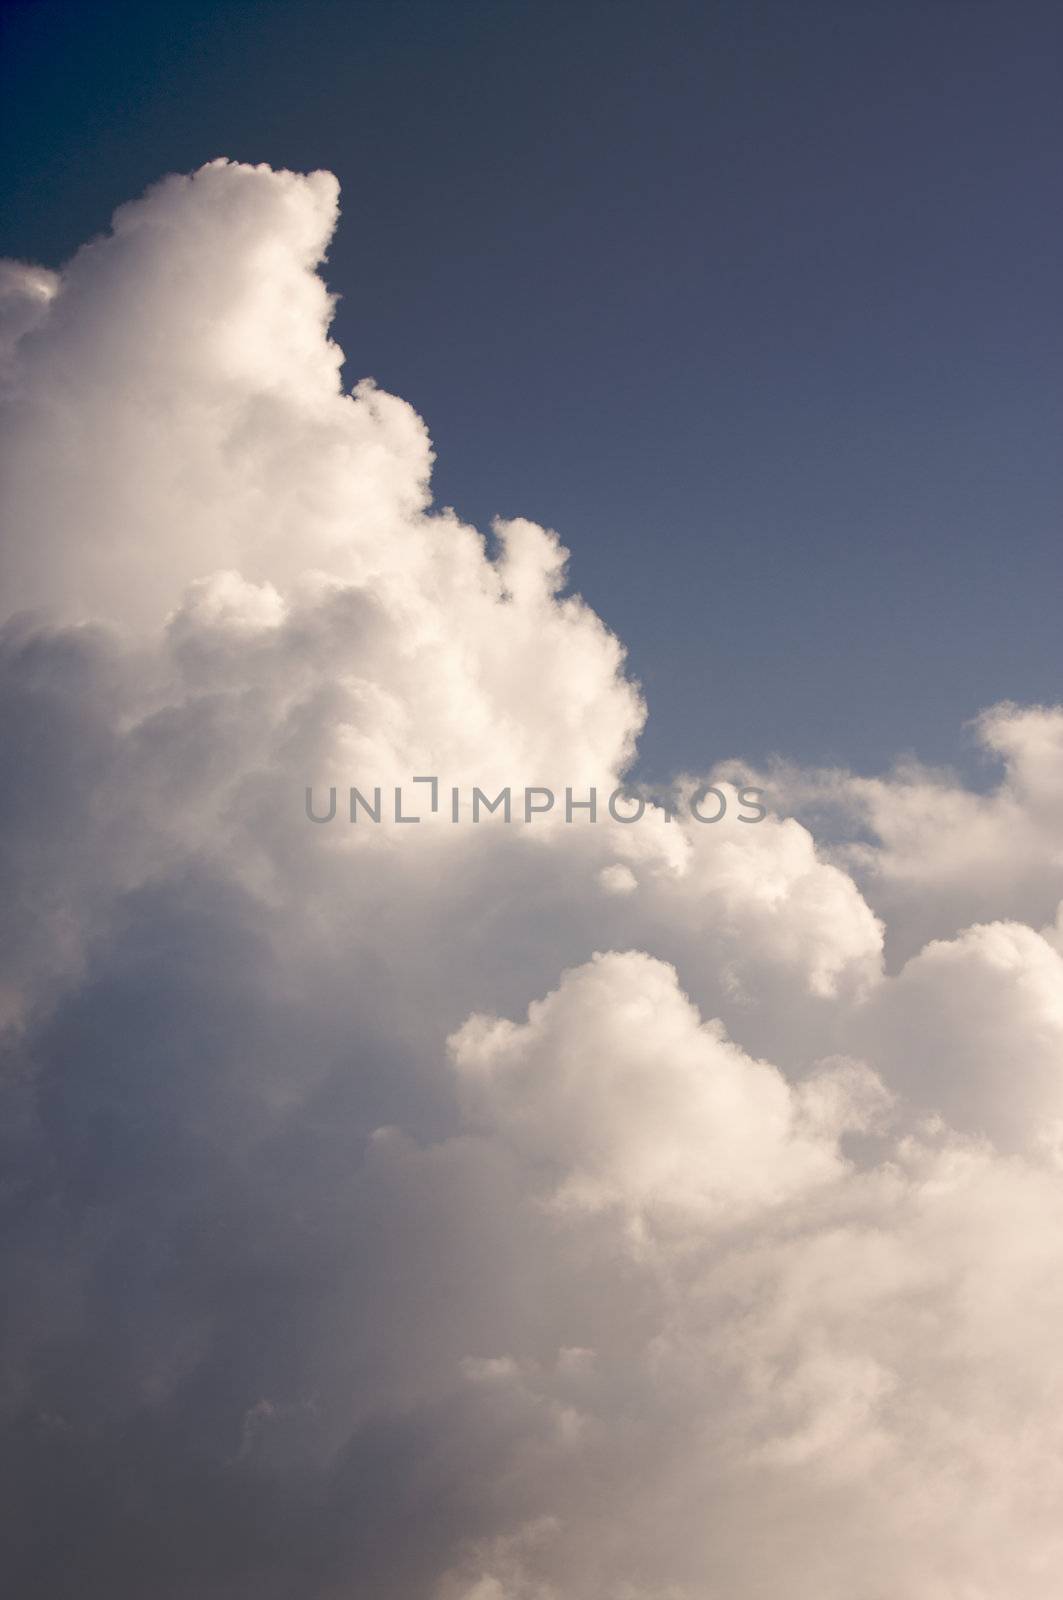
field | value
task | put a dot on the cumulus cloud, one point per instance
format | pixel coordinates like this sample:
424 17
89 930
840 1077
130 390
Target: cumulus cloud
616 1084
512 1210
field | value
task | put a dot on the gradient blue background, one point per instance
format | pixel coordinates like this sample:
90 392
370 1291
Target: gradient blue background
757 304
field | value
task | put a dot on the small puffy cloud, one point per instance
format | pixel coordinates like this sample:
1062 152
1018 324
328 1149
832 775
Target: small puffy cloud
972 1028
617 879
932 855
621 1096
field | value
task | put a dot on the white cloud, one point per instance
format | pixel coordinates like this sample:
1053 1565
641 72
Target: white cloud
723 1261
973 1028
622 1097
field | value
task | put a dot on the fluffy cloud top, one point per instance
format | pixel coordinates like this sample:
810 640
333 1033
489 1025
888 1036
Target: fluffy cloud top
665 1211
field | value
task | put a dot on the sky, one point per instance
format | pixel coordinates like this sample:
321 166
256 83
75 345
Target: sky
441 1159
769 290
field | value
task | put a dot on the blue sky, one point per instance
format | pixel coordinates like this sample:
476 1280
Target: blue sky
756 304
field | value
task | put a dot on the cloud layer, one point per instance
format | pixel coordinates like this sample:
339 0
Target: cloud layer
589 1211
